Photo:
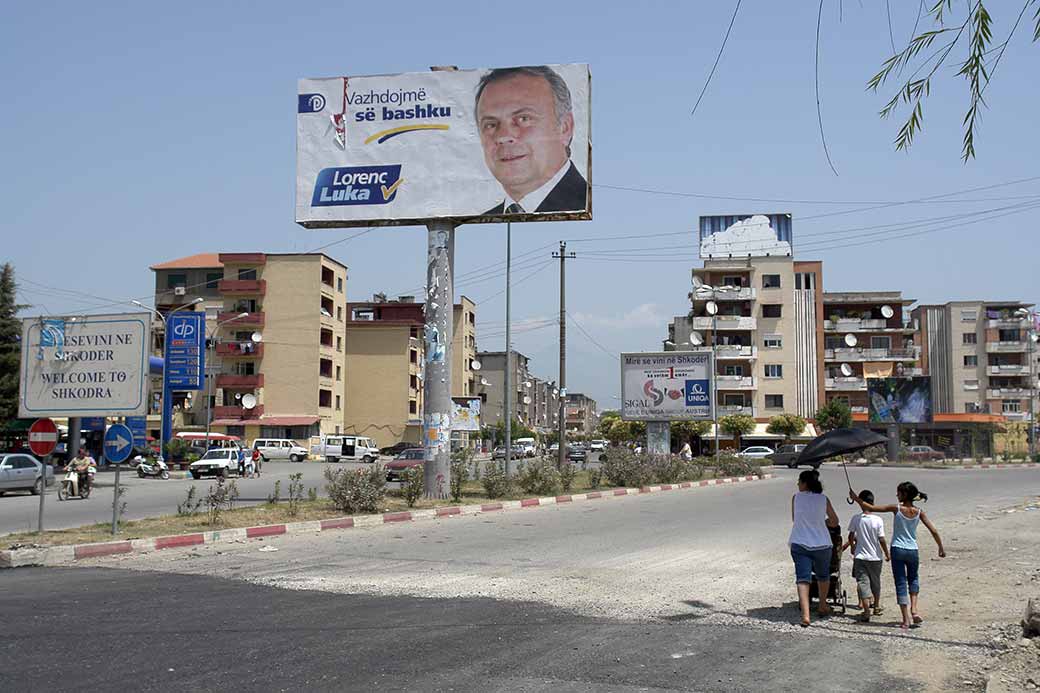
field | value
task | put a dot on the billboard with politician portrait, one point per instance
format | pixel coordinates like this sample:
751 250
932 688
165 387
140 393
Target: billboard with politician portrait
487 145
899 400
666 386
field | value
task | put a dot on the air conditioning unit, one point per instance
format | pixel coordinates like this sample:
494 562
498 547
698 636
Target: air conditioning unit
179 291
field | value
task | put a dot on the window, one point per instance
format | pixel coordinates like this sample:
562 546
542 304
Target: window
413 407
213 279
324 398
770 281
805 280
413 356
833 343
969 338
1010 336
771 310
339 313
969 316
247 273
364 314
413 382
972 408
733 280
772 341
1010 406
338 403
174 280
774 401
339 373
339 284
774 370
731 400
339 344
971 360
731 369
413 332
472 317
881 343
326 337
971 384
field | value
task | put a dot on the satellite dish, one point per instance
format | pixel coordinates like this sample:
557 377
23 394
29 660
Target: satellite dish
697 282
484 382
711 308
256 337
696 339
238 395
887 311
527 400
249 401
846 370
850 339
527 383
474 364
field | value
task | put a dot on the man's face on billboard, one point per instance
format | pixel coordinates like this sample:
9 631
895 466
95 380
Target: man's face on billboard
524 142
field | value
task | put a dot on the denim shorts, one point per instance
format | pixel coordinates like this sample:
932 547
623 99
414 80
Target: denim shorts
807 561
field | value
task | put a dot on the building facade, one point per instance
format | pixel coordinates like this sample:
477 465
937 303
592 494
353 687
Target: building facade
582 418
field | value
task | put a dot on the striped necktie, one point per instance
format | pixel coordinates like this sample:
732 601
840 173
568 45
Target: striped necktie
515 208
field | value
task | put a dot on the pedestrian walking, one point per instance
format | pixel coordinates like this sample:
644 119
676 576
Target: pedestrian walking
686 452
905 558
257 460
867 542
810 541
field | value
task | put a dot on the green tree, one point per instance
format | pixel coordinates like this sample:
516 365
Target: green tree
786 425
834 414
737 425
10 344
606 420
686 431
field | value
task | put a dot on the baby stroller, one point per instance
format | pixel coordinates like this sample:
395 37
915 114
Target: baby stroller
836 596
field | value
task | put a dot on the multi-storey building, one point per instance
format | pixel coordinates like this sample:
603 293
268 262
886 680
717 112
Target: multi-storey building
464 379
273 321
767 330
980 357
867 334
581 414
491 386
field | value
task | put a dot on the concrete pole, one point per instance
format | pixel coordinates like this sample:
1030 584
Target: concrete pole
563 255
1030 333
440 299
507 387
75 439
715 387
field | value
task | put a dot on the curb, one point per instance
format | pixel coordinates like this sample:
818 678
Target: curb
60 555
937 466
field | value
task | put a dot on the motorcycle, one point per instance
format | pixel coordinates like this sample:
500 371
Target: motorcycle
75 484
148 467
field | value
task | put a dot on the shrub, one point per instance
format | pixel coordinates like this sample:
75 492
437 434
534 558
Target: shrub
276 494
312 494
295 493
220 498
875 454
539 477
191 504
567 475
625 468
668 469
496 483
459 476
356 490
732 465
595 477
177 449
412 485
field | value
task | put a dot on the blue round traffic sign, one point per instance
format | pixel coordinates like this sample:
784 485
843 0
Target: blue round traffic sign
119 443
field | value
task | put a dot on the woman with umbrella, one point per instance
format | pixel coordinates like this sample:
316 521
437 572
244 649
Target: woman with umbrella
810 541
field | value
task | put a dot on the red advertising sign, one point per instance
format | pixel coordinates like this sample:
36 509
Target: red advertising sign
43 437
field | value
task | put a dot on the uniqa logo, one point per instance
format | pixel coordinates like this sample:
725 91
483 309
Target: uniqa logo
653 393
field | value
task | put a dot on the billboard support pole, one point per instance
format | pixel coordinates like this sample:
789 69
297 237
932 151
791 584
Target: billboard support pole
75 438
507 398
563 255
659 437
437 403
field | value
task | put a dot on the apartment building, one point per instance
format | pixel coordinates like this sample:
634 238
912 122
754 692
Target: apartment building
768 332
385 353
275 330
581 414
867 334
544 409
491 386
980 356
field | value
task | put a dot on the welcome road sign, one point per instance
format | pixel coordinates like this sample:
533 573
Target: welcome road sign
666 386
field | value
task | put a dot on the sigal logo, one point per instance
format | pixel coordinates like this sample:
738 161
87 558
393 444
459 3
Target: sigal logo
357 185
310 103
653 393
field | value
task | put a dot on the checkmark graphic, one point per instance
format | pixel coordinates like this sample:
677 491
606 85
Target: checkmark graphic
387 192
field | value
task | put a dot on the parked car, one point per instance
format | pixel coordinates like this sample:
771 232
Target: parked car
347 449
499 453
577 453
923 452
217 462
396 449
788 455
756 452
22 471
597 445
407 459
524 447
280 449
554 449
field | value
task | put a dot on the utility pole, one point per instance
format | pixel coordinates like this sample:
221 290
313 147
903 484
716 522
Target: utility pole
507 387
563 255
437 406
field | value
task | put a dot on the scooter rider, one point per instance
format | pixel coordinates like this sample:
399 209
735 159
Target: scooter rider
81 464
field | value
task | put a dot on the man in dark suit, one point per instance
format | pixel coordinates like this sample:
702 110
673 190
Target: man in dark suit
526 126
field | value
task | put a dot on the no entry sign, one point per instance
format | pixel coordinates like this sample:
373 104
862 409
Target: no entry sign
43 437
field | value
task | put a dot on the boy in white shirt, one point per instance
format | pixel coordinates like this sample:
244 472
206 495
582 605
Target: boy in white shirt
867 542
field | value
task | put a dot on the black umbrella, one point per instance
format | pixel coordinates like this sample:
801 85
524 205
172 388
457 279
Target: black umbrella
840 441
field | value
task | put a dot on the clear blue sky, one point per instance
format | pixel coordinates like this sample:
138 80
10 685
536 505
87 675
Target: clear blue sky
137 132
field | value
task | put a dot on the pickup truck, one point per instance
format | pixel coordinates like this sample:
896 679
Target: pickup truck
787 455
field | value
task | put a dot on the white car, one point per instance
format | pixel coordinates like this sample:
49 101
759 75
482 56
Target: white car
217 462
347 449
597 445
280 449
756 452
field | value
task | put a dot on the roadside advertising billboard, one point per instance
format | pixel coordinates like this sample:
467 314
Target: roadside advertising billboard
745 235
465 414
485 145
666 386
900 400
92 366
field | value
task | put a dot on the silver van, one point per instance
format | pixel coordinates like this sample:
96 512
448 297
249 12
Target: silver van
280 449
346 449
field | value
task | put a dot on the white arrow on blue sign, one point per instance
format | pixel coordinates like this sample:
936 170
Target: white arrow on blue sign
118 443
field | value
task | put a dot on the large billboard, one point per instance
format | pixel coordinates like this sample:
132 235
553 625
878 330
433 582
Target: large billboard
487 145
900 400
745 235
85 366
666 386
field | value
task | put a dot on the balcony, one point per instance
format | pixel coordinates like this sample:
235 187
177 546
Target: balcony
910 372
238 412
736 382
727 351
1008 323
250 318
247 350
854 325
1015 415
846 384
242 286
1006 347
1007 393
857 354
730 409
1008 369
724 322
859 410
743 293
229 380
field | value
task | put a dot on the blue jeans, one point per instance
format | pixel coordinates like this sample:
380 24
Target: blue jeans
904 569
807 560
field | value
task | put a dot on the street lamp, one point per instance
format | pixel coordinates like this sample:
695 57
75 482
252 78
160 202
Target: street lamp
209 381
162 389
1031 337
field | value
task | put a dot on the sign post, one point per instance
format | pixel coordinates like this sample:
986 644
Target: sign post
43 438
119 443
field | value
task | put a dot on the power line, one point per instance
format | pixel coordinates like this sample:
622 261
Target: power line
592 339
718 57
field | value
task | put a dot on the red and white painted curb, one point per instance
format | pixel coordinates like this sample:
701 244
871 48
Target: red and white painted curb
59 555
939 466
